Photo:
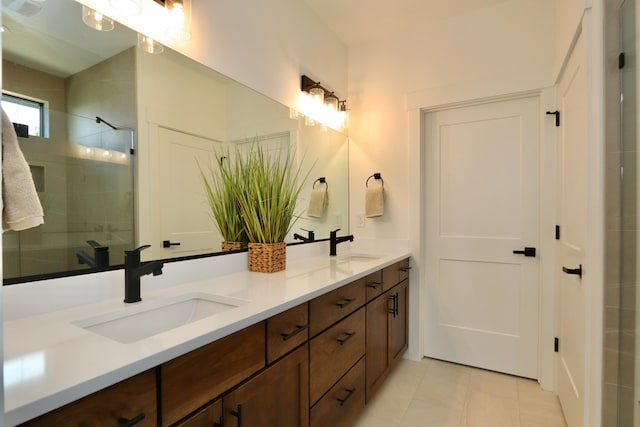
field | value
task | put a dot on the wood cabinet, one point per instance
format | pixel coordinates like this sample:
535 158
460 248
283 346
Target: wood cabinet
344 402
287 331
327 309
190 381
334 352
387 333
278 396
132 400
315 364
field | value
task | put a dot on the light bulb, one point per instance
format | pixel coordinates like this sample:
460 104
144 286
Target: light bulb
96 20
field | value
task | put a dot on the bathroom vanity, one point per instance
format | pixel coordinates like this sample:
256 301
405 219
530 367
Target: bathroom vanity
305 347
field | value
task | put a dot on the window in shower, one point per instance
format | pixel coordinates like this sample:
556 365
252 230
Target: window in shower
26 111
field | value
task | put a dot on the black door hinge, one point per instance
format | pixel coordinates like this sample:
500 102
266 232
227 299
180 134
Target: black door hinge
557 232
621 61
557 114
556 344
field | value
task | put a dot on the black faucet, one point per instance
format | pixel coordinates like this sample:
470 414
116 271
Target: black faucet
134 269
311 236
100 255
334 240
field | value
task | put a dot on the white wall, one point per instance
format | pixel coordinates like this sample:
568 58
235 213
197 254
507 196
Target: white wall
510 40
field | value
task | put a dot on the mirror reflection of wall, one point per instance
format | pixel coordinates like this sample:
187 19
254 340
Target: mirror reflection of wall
173 109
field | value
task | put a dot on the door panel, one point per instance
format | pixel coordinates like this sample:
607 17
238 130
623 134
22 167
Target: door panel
572 205
482 204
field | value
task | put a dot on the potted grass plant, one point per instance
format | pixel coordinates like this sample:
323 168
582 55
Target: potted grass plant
220 182
268 186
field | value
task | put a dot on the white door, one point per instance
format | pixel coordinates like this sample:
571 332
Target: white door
572 205
482 205
184 220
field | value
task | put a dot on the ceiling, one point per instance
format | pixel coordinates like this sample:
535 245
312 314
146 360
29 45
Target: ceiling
360 21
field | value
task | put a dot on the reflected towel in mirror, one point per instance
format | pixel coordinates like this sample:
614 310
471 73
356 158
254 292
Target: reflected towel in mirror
317 202
21 208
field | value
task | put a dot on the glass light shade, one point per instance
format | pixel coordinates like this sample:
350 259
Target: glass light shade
127 7
180 19
96 20
317 94
332 101
149 45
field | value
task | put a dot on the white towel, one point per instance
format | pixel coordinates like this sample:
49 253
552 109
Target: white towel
21 208
317 202
374 202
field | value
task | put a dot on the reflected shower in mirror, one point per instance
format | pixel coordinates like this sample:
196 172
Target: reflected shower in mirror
121 131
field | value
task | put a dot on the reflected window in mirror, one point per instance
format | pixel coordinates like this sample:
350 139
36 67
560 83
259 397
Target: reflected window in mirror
28 115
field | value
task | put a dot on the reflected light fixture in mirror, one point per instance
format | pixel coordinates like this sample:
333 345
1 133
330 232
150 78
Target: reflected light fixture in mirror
149 45
180 19
127 7
96 20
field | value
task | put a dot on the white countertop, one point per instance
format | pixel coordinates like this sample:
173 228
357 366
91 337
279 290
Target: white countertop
50 362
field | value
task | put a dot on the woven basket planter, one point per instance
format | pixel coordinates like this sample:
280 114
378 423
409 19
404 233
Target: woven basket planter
233 246
267 257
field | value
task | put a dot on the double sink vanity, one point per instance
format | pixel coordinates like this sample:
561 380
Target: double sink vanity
308 346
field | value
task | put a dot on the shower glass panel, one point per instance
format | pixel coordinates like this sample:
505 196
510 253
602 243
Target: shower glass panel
84 177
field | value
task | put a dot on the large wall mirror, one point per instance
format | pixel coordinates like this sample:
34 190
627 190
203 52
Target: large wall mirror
115 135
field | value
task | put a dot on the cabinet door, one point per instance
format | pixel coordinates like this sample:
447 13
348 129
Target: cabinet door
209 416
130 400
377 342
398 321
278 396
192 380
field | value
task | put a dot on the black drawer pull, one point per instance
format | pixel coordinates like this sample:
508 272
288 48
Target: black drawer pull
123 422
349 335
405 269
220 422
296 331
344 399
374 285
346 302
238 414
576 271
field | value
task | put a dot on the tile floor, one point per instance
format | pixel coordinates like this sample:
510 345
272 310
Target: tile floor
432 393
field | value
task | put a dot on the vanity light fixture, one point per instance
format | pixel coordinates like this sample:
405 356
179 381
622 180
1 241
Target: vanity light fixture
127 7
180 16
149 45
319 105
96 20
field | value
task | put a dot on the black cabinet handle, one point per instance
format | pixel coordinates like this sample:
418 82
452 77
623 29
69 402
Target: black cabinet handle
238 414
405 269
220 422
394 309
374 285
348 395
169 243
296 331
346 302
575 271
123 422
349 335
530 252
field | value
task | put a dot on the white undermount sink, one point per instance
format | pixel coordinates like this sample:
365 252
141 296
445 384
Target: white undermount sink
146 319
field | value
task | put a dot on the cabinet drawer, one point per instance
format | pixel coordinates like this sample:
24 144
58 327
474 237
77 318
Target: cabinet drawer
395 273
373 284
342 405
333 352
327 309
287 331
134 397
190 381
208 416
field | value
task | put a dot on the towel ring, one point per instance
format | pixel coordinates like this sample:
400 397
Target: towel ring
321 180
376 175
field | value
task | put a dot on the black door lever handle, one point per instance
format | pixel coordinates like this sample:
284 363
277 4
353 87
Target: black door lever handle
576 271
526 252
169 243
